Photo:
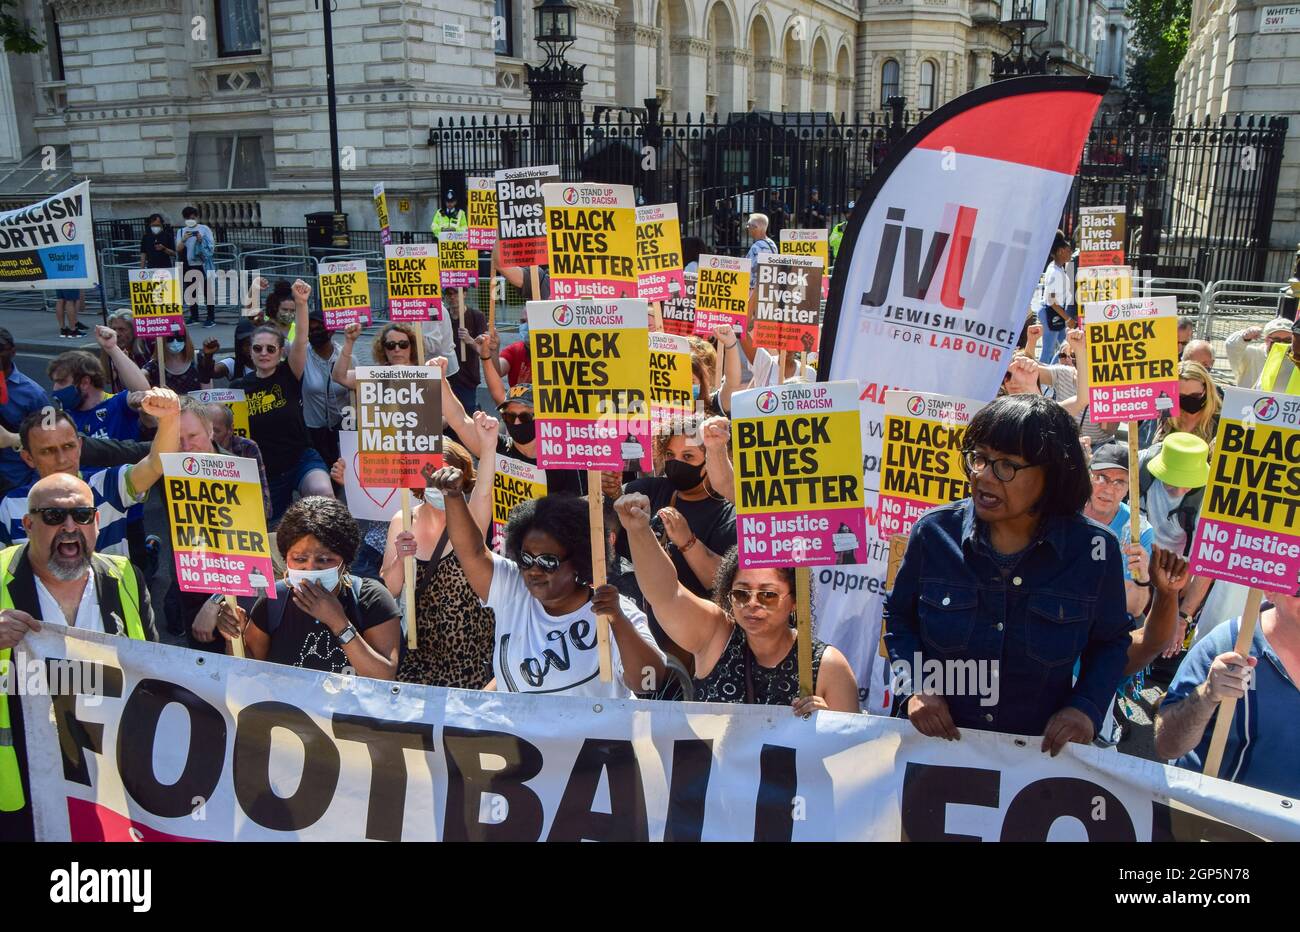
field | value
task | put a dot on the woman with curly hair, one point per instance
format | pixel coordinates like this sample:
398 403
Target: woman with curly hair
743 641
321 618
544 604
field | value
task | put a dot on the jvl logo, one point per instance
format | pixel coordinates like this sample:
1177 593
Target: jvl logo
190 465
1267 408
563 315
916 405
570 196
1110 311
767 402
69 230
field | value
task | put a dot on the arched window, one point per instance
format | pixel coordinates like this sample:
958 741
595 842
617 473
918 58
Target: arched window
888 82
926 87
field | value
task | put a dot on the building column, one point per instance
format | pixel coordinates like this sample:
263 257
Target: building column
689 73
734 63
635 62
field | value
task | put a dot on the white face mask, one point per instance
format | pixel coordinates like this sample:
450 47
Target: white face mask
191 222
434 498
329 578
175 346
155 230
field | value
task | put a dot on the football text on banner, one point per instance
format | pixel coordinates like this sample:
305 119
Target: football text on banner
481 195
799 475
155 302
678 312
218 524
795 242
671 392
232 398
721 294
1102 283
591 240
515 481
591 380
787 303
459 263
521 214
49 244
345 293
1101 236
381 211
399 420
1132 359
658 252
413 275
932 280
365 502
347 777
922 464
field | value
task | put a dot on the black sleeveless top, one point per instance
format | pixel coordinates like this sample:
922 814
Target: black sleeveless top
737 676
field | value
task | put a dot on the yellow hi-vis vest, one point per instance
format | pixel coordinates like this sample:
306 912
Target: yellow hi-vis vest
119 568
1281 374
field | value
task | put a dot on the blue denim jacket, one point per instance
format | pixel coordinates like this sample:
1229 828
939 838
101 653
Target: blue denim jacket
1059 603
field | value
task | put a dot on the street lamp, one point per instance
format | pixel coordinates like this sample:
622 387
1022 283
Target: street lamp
339 224
556 90
1020 16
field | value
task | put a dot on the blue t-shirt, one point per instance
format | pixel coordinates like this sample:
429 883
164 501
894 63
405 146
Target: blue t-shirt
112 418
1263 748
25 396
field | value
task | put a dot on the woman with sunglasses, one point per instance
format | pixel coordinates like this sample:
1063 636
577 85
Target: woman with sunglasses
275 417
544 605
743 641
1015 584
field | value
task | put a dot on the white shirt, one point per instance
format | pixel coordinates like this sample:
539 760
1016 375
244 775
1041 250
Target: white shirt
541 653
1056 286
764 370
88 617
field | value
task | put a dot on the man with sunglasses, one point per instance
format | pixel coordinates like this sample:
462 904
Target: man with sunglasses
56 576
51 445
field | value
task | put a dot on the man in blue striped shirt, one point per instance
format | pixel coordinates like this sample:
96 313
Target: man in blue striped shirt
51 445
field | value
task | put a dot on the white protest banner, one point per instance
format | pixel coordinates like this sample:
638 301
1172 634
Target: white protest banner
933 276
252 751
49 244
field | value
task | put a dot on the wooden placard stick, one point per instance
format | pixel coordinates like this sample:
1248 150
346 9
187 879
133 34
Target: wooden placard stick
237 645
596 524
419 343
461 308
1135 511
408 570
492 292
803 621
162 362
1228 707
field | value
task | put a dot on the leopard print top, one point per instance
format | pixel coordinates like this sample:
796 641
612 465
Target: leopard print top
454 631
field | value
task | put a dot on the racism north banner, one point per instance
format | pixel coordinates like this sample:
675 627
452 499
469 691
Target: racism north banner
232 398
938 263
721 293
678 311
155 302
591 380
218 525
49 244
242 750
413 275
591 240
459 263
345 293
481 212
514 481
798 475
1132 359
658 252
1248 531
399 425
922 464
521 213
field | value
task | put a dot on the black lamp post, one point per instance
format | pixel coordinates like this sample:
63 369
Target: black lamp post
556 90
1020 16
340 219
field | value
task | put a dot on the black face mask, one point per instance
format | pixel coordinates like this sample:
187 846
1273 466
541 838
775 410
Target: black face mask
1191 403
318 337
523 432
683 476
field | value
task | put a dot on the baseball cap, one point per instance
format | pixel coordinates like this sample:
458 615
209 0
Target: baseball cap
518 394
1110 456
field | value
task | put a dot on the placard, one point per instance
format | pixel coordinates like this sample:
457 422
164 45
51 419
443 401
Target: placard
481 212
521 213
1100 283
345 293
591 383
399 422
218 524
591 240
459 263
155 302
658 252
1101 236
922 463
798 463
671 392
381 211
678 312
1132 348
721 294
413 275
787 307
795 242
514 481
232 398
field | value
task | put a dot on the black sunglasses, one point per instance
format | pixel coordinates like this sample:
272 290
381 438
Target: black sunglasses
510 417
396 344
546 562
82 514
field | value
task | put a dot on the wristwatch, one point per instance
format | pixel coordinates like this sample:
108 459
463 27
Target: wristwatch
347 634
